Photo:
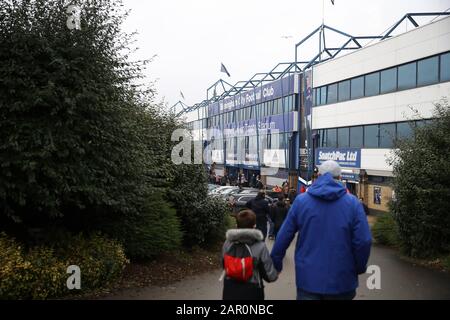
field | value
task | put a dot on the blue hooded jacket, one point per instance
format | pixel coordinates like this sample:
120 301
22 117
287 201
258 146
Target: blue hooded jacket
333 245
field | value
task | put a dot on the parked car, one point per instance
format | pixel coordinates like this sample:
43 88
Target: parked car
272 194
226 192
211 187
238 201
220 189
248 191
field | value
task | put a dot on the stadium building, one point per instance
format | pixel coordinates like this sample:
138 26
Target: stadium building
349 103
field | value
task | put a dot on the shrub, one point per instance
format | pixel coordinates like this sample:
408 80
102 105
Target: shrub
204 222
40 272
446 262
75 135
156 229
422 187
385 230
101 260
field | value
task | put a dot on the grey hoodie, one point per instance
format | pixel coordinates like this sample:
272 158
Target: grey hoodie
254 239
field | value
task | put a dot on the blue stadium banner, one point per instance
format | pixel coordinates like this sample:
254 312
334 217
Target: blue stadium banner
346 157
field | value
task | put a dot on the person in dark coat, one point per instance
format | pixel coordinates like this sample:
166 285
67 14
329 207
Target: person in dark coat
279 213
253 181
260 207
259 185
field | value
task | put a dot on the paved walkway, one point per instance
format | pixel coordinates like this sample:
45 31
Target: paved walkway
399 280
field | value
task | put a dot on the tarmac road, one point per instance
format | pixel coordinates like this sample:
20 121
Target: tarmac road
399 280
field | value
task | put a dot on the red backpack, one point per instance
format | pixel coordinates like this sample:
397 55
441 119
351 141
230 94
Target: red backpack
238 262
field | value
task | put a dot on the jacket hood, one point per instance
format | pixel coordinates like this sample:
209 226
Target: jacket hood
327 188
244 235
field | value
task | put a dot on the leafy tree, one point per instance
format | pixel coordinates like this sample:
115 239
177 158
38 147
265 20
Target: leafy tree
422 187
203 218
79 138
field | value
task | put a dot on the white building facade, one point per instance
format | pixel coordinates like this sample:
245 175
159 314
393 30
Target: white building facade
365 100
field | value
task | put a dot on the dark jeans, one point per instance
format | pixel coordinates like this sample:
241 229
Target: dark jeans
262 226
235 290
271 228
304 295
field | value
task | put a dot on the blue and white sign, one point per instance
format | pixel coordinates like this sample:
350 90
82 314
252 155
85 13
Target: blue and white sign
276 89
276 123
346 157
353 177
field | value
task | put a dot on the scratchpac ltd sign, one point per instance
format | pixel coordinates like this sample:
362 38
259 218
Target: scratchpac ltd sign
346 157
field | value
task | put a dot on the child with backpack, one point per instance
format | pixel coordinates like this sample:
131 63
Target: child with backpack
246 260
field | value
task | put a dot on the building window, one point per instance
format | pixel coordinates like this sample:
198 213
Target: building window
332 93
356 137
322 138
372 84
275 107
357 88
428 71
343 137
405 130
282 141
323 95
407 76
387 135
388 81
422 123
445 67
371 136
344 90
331 138
285 107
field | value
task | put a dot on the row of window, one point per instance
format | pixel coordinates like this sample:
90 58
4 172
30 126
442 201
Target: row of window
368 136
269 141
414 74
264 109
197 124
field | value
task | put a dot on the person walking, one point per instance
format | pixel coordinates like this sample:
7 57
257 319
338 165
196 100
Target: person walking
334 239
279 213
246 261
258 184
253 181
366 208
260 207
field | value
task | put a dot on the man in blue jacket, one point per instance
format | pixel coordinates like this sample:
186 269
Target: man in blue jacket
333 244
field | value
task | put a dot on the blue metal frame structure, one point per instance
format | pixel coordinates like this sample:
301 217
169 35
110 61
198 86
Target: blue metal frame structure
292 67
286 68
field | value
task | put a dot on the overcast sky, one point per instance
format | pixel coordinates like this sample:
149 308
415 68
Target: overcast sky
192 37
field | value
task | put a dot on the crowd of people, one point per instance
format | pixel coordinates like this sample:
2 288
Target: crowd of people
332 248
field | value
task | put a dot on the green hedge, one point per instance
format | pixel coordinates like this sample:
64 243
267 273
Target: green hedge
422 187
204 222
40 272
155 230
385 230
